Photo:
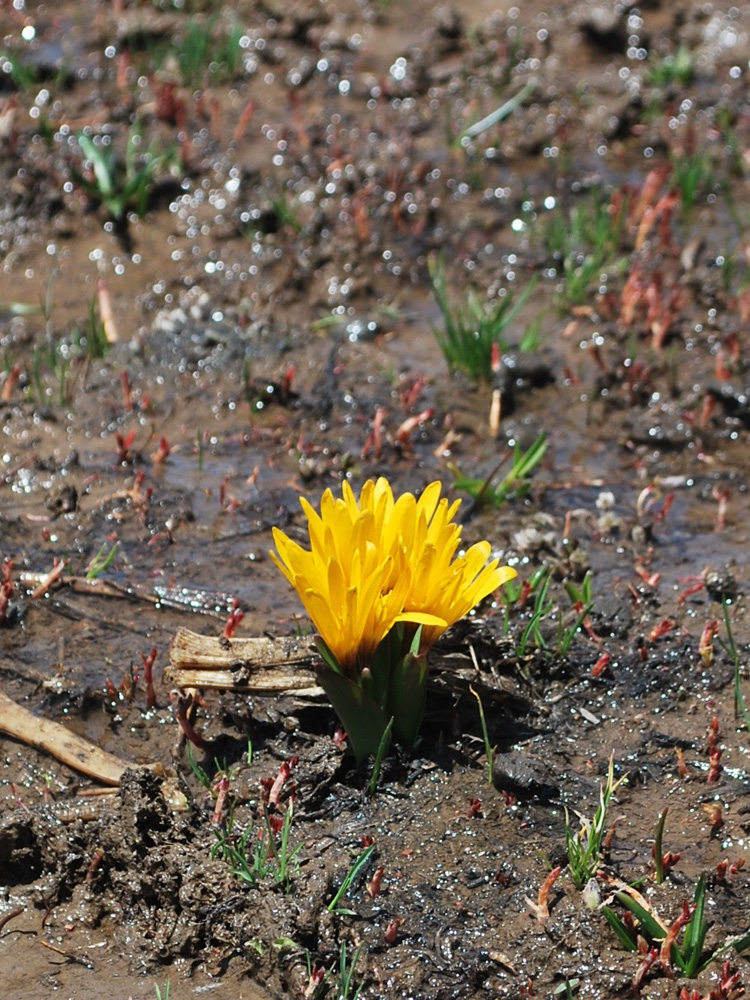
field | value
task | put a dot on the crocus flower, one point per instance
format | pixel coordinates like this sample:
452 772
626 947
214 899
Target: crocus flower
354 581
381 582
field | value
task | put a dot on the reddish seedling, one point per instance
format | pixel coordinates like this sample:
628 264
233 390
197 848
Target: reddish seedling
664 861
314 982
715 816
169 104
697 584
661 628
374 442
148 676
721 496
650 957
729 988
235 617
714 728
106 312
123 446
714 765
411 392
162 453
707 410
285 384
184 704
601 665
706 644
721 370
271 788
243 121
7 589
726 868
673 931
374 885
220 792
391 930
540 908
227 501
650 579
94 864
17 798
408 426
13 375
475 808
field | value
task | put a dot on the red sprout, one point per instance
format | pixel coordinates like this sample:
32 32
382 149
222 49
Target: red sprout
127 394
285 771
148 677
316 977
715 816
540 908
235 617
391 930
124 444
706 644
373 886
714 764
184 703
475 808
96 860
6 589
161 454
649 958
601 665
220 789
374 442
13 376
660 629
721 496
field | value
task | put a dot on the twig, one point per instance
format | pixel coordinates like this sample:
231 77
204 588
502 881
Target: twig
52 738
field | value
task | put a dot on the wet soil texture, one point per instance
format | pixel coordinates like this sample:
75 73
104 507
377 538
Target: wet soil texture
224 233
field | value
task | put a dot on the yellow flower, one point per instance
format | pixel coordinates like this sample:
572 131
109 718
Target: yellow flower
378 561
353 583
449 588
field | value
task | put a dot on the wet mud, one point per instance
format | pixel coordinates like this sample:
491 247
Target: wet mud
172 380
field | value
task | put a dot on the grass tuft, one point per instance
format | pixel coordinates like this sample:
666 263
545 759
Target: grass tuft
472 330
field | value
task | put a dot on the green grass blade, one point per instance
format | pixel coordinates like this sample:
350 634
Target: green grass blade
100 165
651 926
621 931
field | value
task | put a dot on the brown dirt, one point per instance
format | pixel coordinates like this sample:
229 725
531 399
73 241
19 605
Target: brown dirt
273 310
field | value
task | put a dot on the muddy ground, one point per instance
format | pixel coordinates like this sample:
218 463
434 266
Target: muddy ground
272 331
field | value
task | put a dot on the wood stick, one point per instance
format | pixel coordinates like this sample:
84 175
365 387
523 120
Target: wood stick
55 739
257 664
86 758
267 666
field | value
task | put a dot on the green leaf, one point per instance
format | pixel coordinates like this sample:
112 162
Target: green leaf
327 655
695 932
363 719
620 929
407 694
650 924
100 164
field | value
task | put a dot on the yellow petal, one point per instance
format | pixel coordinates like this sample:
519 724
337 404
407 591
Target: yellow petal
421 618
